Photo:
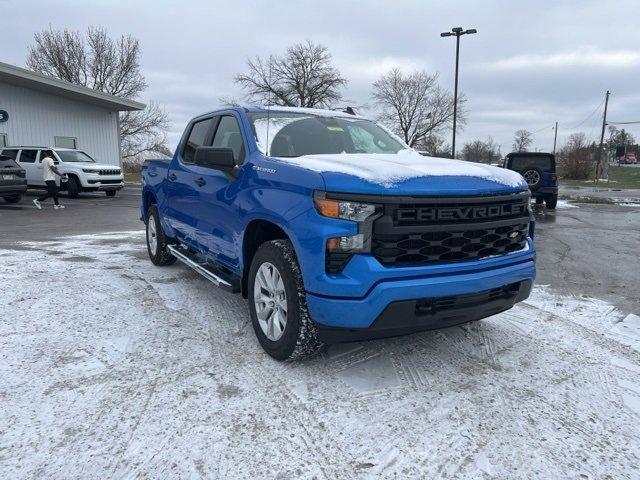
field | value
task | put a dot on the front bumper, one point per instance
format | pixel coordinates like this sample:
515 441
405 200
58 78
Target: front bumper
410 316
102 182
435 282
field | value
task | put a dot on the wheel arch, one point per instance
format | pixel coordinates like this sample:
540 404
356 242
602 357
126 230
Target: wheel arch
257 232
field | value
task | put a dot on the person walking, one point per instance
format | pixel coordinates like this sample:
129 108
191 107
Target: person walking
49 173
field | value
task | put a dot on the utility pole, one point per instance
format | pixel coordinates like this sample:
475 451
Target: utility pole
457 32
600 151
555 138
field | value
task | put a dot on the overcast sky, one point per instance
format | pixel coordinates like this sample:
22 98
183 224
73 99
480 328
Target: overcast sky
532 62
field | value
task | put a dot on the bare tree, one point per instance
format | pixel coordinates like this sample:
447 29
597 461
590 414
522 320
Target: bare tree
522 140
481 151
109 65
303 77
415 106
434 145
577 157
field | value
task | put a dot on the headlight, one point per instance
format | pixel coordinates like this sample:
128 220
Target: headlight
356 212
86 170
362 213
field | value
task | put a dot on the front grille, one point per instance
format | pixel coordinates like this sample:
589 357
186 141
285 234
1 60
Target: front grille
114 171
440 230
105 182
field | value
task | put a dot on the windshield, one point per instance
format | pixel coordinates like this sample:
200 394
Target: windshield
74 156
297 134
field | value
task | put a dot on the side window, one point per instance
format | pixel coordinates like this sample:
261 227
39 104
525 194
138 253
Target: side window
12 154
197 138
3 140
47 153
228 136
28 156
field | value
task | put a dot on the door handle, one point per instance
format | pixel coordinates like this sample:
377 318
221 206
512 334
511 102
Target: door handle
172 177
201 182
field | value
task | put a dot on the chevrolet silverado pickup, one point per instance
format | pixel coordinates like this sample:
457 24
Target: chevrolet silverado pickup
334 230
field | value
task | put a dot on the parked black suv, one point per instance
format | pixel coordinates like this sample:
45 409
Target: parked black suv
13 180
539 170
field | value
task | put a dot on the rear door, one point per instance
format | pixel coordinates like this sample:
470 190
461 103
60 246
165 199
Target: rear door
27 160
181 191
217 216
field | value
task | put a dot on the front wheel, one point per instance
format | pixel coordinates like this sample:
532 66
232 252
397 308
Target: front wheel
73 187
277 303
111 193
13 198
157 241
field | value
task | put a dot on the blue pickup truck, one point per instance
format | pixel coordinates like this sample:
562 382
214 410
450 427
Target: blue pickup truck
334 229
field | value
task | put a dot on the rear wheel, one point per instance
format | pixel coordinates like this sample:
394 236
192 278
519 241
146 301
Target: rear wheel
73 187
551 201
110 193
157 241
278 305
13 198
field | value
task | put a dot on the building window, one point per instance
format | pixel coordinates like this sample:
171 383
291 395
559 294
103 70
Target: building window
3 140
66 142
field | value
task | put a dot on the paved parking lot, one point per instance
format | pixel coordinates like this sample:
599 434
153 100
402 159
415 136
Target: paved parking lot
113 368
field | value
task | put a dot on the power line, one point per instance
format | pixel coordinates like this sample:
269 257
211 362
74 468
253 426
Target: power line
623 123
588 117
543 128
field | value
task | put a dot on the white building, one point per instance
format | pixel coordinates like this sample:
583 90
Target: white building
36 110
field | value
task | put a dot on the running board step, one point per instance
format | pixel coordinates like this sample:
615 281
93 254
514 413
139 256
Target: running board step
231 283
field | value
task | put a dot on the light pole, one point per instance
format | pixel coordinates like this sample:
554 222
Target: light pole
456 32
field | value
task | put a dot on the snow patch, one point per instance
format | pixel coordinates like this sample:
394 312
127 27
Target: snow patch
563 204
389 170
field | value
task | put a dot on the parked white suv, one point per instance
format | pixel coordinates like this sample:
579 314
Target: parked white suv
84 174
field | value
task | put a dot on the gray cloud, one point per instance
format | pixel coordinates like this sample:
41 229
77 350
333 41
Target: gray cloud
532 62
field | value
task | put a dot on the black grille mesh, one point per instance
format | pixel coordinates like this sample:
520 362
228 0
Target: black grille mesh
448 246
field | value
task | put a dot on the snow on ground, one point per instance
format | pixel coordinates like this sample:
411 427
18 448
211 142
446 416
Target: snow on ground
113 368
563 204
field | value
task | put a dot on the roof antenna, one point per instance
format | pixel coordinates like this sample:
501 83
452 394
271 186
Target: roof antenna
350 111
269 107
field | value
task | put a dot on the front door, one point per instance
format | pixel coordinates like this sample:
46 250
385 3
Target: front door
216 214
181 192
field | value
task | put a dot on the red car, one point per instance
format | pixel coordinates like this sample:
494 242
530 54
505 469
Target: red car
628 159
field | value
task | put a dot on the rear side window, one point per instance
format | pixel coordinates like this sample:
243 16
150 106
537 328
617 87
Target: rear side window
228 136
12 154
28 156
197 138
521 162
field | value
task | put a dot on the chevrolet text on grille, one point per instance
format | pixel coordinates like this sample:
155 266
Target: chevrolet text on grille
427 214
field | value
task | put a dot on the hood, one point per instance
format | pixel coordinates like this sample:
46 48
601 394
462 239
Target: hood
408 173
91 165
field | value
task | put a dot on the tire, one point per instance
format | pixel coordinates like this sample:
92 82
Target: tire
158 252
551 202
299 337
110 193
534 177
73 187
13 198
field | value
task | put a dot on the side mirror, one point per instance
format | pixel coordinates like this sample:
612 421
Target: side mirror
217 158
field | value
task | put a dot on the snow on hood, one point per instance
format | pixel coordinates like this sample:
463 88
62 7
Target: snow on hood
388 170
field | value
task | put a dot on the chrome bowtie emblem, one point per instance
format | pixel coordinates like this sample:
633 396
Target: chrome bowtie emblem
513 234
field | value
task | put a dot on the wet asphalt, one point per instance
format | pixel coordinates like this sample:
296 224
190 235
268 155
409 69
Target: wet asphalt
591 250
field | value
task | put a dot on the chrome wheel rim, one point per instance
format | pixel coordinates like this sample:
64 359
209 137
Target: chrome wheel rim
152 235
270 300
532 177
